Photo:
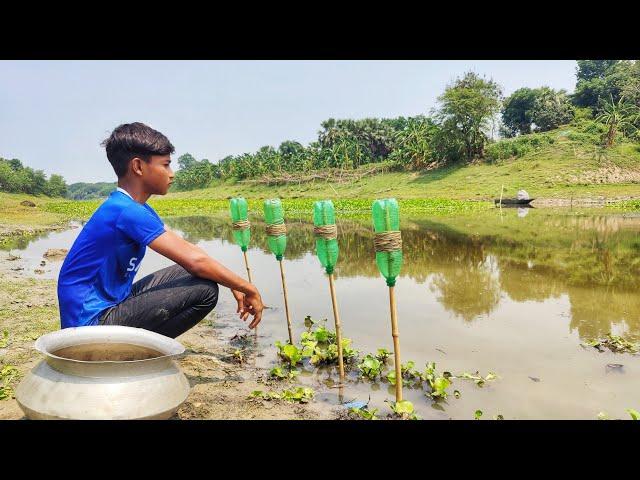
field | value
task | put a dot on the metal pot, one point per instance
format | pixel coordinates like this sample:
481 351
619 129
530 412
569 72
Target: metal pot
104 372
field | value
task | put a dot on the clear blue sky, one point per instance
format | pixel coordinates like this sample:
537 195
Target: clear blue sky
54 114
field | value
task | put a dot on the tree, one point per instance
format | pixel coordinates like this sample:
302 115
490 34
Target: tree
599 80
619 117
516 111
413 143
56 186
185 161
467 108
540 109
551 109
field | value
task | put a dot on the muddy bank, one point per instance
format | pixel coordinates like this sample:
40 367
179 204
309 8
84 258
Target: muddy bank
221 383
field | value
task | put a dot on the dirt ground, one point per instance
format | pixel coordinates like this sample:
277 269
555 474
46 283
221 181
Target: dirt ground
220 384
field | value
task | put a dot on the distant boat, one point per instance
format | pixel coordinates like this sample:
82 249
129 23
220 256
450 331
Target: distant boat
513 201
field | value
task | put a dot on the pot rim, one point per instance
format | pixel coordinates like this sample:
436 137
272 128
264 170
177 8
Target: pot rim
72 336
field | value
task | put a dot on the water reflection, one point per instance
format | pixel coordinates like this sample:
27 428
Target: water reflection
471 263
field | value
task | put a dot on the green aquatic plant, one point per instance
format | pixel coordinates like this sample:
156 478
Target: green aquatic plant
403 409
477 378
615 343
382 355
437 383
634 413
290 353
281 373
365 413
477 414
408 373
320 345
370 367
298 395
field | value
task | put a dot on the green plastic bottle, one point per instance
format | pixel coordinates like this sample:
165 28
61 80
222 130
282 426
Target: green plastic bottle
326 249
386 217
239 211
273 214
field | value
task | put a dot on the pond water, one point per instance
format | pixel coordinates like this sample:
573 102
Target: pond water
511 292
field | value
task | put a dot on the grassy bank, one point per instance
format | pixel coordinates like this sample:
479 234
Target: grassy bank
563 164
566 165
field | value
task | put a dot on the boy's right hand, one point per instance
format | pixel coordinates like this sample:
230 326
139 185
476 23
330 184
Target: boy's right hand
254 306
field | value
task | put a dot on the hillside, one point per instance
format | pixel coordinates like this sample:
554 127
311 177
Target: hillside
562 164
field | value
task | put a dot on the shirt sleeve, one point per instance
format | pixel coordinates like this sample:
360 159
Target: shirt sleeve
140 225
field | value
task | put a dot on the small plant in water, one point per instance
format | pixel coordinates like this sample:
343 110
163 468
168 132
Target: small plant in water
363 411
283 373
437 383
382 355
298 395
289 353
477 378
614 343
370 367
634 413
403 410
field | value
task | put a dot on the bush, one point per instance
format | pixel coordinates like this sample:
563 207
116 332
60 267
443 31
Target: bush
517 147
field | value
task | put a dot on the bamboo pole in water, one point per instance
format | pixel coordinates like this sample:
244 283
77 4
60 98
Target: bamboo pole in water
396 342
286 302
336 317
246 263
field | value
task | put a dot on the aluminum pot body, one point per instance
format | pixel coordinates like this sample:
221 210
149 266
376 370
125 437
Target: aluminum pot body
104 372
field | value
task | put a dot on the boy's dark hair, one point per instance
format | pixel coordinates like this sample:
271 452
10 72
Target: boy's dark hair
131 140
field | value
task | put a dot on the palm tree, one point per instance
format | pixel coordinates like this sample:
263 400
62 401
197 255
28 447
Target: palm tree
618 117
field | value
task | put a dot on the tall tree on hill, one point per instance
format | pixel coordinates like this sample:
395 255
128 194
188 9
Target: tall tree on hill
551 109
619 117
186 161
599 80
517 110
466 112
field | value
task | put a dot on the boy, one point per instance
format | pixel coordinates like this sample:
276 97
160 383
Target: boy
95 282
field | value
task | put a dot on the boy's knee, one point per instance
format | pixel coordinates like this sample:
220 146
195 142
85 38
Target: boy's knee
209 292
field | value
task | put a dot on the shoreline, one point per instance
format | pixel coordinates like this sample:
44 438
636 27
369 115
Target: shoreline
220 387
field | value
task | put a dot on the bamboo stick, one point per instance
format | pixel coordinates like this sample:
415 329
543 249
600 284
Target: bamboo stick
336 317
286 302
246 263
396 343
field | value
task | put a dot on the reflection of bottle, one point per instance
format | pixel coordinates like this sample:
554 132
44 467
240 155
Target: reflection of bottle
522 212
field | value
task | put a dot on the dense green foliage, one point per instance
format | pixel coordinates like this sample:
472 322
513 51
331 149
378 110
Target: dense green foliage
600 80
463 128
89 191
530 110
16 178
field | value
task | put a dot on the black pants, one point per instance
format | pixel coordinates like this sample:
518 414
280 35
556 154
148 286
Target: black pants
169 301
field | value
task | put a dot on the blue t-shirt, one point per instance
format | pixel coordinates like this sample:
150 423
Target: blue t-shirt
99 269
